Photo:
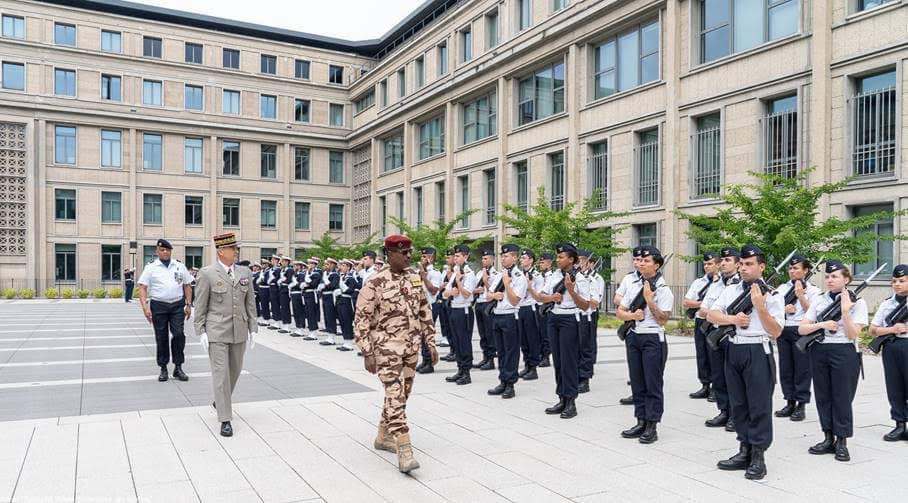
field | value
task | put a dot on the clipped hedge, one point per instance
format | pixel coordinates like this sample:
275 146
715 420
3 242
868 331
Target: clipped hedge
51 293
116 292
67 293
100 293
9 293
27 293
83 293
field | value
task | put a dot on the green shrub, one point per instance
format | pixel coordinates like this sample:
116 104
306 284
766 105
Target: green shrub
67 293
27 293
83 293
116 292
100 293
135 293
9 293
51 293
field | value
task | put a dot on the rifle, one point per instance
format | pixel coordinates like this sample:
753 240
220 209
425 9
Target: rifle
692 311
833 312
791 296
486 308
558 288
639 302
447 301
899 315
742 304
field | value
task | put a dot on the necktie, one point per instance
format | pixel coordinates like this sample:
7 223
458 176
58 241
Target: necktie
230 273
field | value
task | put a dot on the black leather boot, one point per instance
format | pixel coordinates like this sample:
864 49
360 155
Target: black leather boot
798 414
545 361
827 446
179 374
488 365
226 429
841 449
464 378
570 409
634 431
420 366
163 375
629 400
730 425
897 434
712 396
427 367
584 386
649 433
757 468
508 392
480 363
455 377
701 393
787 410
739 461
558 408
719 420
497 390
530 374
450 357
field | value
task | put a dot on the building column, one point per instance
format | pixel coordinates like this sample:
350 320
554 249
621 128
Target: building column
287 175
674 237
504 173
450 124
36 183
213 226
572 159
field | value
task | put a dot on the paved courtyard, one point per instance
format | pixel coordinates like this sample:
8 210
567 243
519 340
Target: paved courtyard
82 418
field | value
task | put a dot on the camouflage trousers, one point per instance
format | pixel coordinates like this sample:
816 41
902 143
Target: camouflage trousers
397 378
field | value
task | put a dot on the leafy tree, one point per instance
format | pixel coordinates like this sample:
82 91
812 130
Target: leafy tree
327 246
540 228
780 214
438 235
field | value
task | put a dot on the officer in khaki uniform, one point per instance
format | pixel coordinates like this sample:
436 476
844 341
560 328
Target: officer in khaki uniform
392 321
225 321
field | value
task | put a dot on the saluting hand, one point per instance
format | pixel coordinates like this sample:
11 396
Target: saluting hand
568 283
647 292
757 297
846 301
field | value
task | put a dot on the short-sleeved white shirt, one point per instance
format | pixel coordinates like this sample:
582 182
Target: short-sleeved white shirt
433 277
469 282
538 282
626 282
858 315
887 306
581 286
165 284
494 276
715 291
664 299
755 328
812 292
695 287
518 286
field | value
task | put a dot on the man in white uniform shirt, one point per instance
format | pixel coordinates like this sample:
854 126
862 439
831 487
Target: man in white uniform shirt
729 257
508 290
693 299
431 280
460 291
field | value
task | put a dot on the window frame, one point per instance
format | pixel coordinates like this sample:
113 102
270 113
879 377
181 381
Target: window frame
426 143
3 71
523 17
239 101
307 211
194 209
598 161
119 38
332 159
268 62
463 190
157 91
160 151
263 100
298 103
148 49
66 26
598 73
700 164
639 146
201 92
70 205
331 109
466 44
148 199
392 153
300 63
522 170
268 161
442 57
492 21
228 150
191 153
300 152
536 99
877 147
264 211
490 193
335 225
766 7
227 58
191 50
109 87
13 18
69 274
491 113
230 210
871 208
58 128
335 71
75 83
108 207
118 164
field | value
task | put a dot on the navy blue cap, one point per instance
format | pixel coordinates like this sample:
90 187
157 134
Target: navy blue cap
449 252
566 248
899 271
748 251
529 253
710 256
584 253
798 259
637 250
369 253
488 253
163 243
428 250
729 251
547 256
462 249
508 248
650 251
833 266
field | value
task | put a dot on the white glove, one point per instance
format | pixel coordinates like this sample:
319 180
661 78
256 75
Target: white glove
204 340
251 340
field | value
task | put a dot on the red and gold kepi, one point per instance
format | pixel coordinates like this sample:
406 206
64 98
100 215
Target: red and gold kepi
398 243
225 239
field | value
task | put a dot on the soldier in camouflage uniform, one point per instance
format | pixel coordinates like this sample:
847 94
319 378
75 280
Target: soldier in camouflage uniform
393 320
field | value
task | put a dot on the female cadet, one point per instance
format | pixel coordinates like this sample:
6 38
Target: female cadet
835 361
895 352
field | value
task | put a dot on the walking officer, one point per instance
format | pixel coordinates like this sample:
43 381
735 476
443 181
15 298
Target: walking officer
460 290
167 284
310 295
392 321
506 292
895 352
224 321
693 299
431 279
527 321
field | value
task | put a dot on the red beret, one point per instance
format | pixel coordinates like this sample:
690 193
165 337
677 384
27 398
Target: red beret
398 242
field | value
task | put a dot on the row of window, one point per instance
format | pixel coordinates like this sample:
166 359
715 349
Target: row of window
65 149
152 210
111 42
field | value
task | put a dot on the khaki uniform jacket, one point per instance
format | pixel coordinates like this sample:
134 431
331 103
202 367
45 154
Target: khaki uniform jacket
225 309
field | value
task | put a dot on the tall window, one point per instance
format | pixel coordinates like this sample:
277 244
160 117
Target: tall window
480 118
13 26
301 111
336 114
440 201
466 44
194 53
110 149
65 34
335 167
64 145
365 101
383 214
730 26
193 210
557 5
870 4
65 262
268 106
193 98
626 61
194 257
301 222
64 82
491 29
231 211
335 74
269 214
647 234
151 209
301 164
111 41
706 158
383 93
442 50
420 66
111 88
14 76
65 204
231 102
269 161
489 182
151 92
882 247
522 180
541 94
151 47
151 152
646 168
873 112
464 186
417 206
400 205
231 155
780 137
232 59
302 69
149 254
111 207
401 83
431 137
269 64
393 152
192 155
556 180
335 217
598 175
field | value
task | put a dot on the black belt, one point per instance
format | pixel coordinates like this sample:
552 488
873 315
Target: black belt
169 303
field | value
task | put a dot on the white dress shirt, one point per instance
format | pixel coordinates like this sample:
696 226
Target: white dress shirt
665 299
812 292
695 287
879 319
567 305
433 277
469 280
858 313
165 284
755 328
518 286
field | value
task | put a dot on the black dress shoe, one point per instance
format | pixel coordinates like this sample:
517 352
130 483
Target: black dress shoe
426 369
841 449
420 366
730 426
226 429
454 377
508 392
558 408
464 378
523 372
545 361
701 393
827 446
787 410
584 386
757 468
450 357
570 409
896 434
719 420
488 365
443 344
179 374
531 374
627 400
163 375
798 413
649 434
634 431
739 461
344 348
497 390
480 363
712 396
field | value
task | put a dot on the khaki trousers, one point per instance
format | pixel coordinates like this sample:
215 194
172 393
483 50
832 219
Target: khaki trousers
226 365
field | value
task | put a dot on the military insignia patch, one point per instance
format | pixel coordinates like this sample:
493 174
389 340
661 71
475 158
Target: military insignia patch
220 283
416 282
178 277
244 281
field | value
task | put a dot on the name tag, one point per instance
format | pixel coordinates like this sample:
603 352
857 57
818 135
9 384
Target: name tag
244 282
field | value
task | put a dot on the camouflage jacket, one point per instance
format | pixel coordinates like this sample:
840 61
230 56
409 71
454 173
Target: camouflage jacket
393 315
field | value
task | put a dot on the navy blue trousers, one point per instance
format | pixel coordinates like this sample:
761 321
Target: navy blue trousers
704 371
750 379
717 375
330 313
345 315
275 295
794 367
507 340
462 332
529 336
895 368
299 311
486 340
564 330
311 310
264 297
645 360
284 295
835 369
